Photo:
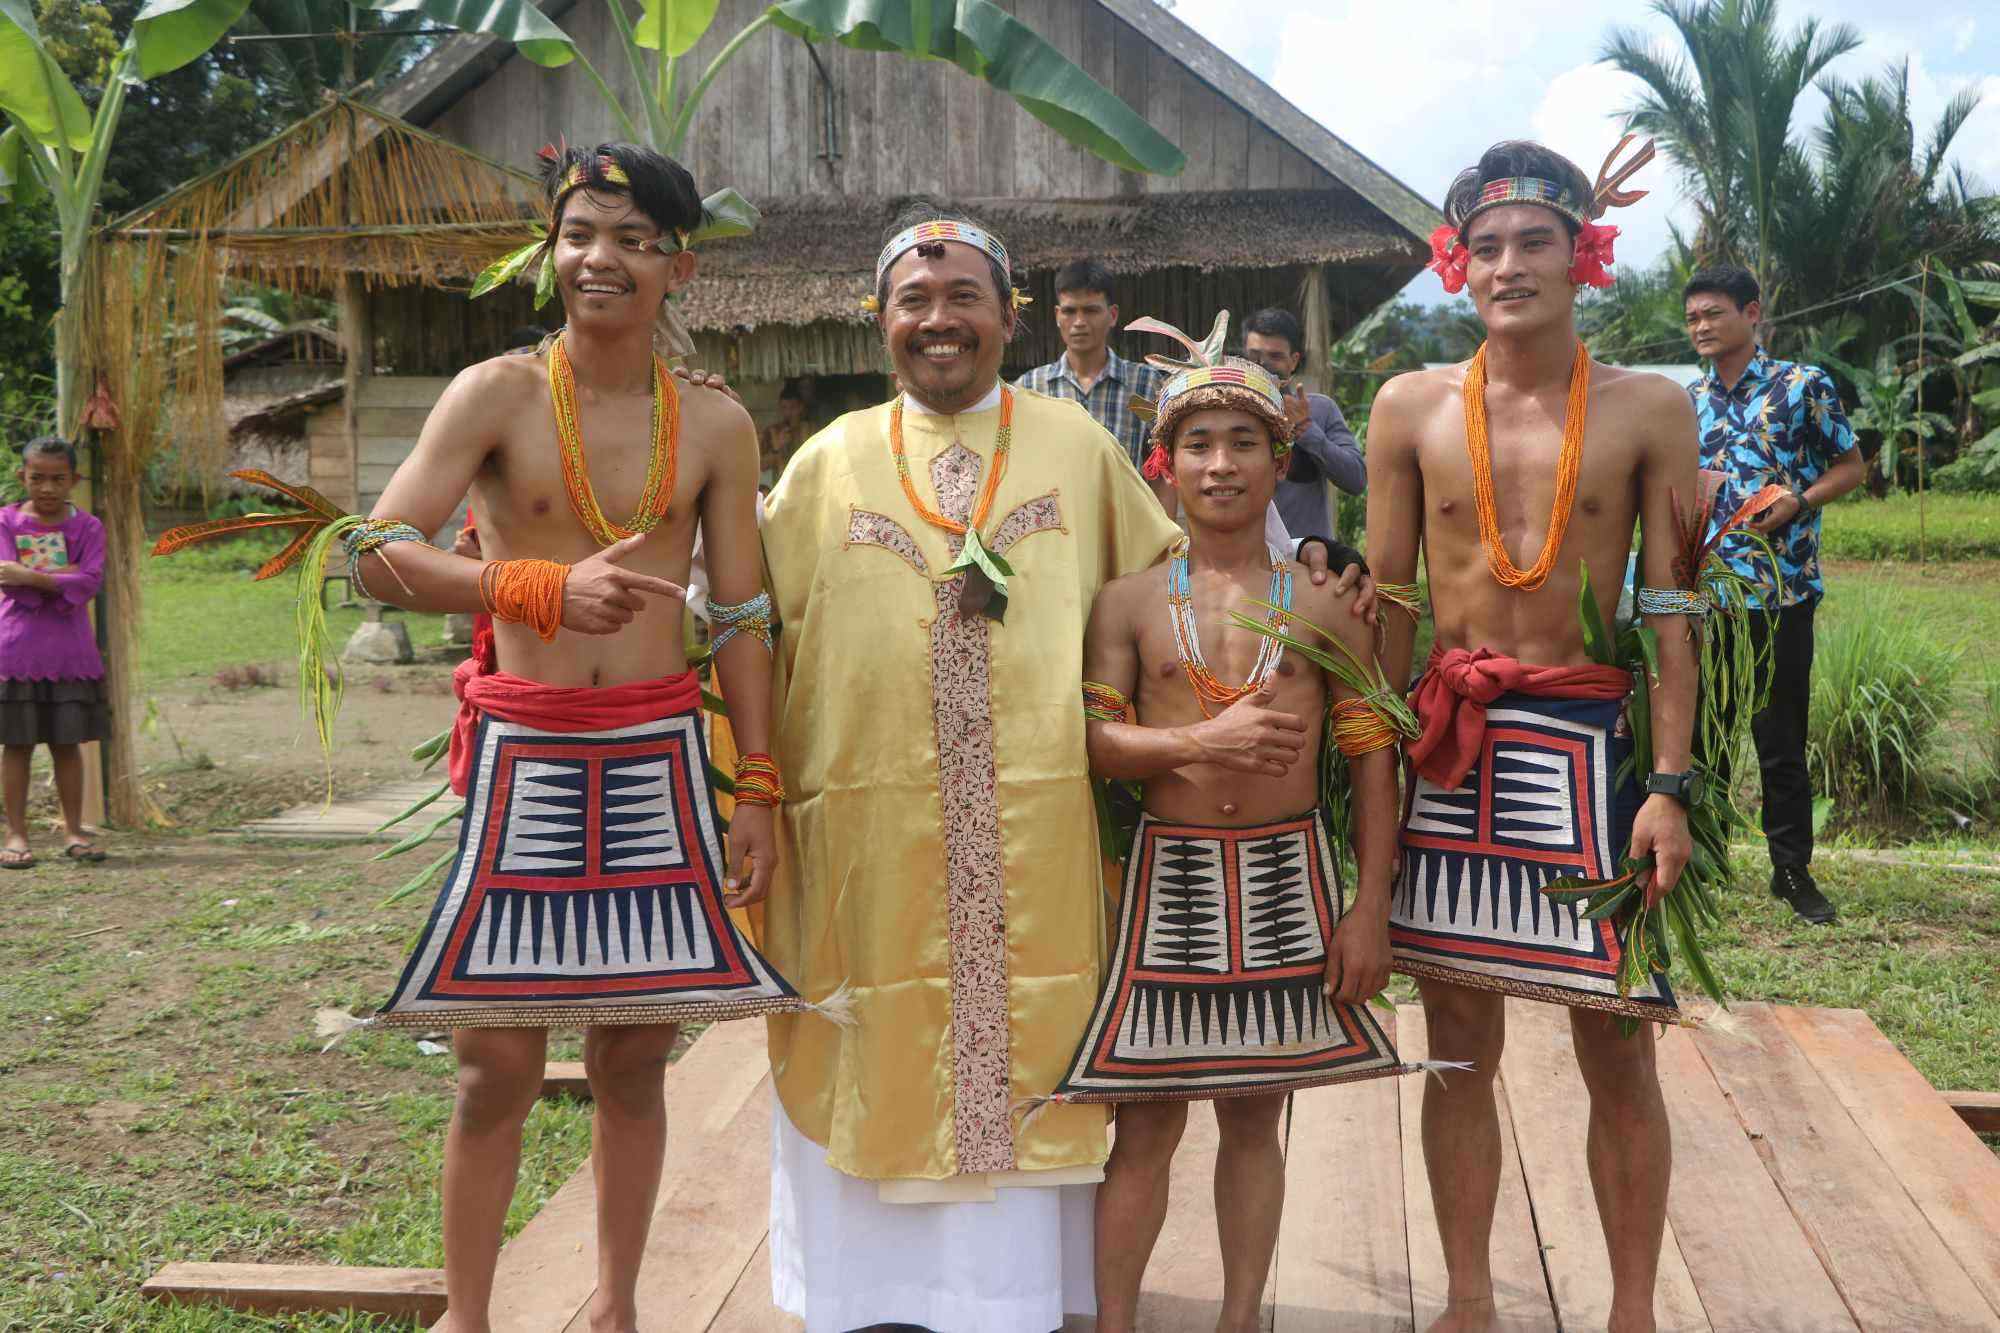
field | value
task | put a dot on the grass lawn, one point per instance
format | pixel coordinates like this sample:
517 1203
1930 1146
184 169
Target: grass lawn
202 612
1952 527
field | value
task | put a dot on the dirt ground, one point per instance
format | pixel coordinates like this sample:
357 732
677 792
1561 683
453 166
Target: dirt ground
217 751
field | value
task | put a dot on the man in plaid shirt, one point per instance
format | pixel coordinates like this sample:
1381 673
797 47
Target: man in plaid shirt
1088 371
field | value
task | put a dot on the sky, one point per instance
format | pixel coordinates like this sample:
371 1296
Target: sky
1423 89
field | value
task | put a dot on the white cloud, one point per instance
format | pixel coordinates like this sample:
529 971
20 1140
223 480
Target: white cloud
1962 35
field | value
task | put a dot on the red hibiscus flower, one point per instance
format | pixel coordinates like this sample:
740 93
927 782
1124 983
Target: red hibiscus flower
1449 258
1593 252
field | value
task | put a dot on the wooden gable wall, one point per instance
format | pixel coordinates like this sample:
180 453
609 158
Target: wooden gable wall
905 126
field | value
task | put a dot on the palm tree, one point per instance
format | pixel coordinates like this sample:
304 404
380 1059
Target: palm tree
1723 110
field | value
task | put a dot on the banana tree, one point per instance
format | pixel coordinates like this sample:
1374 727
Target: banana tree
975 35
54 145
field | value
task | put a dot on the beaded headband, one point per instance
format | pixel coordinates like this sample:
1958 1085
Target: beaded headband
577 178
1209 379
944 229
1450 258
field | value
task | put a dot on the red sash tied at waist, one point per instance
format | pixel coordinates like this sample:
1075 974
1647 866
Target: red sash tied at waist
1450 702
483 688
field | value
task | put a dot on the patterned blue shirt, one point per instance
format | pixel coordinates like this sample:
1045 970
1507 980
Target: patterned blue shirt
1108 400
1781 422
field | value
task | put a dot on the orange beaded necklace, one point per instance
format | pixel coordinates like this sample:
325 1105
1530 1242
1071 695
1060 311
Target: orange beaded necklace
661 469
1002 446
1569 466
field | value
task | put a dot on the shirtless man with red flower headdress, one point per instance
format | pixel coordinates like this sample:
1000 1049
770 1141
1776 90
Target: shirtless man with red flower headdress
1532 448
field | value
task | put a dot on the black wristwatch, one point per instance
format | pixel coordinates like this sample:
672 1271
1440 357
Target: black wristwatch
1683 787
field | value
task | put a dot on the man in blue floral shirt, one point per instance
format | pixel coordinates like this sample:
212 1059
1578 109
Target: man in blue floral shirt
1765 421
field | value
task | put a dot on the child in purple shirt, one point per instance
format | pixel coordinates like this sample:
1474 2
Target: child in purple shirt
51 675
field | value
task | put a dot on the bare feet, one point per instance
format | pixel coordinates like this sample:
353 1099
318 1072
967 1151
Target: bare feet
1471 1314
604 1319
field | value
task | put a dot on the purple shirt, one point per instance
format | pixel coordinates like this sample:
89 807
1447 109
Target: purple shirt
47 635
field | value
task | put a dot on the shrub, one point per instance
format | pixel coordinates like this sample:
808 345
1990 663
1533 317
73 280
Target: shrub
1955 527
1881 683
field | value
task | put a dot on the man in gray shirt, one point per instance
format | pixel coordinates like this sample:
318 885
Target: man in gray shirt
1324 450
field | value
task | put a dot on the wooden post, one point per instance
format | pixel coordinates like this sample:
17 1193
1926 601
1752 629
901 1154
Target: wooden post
358 341
93 756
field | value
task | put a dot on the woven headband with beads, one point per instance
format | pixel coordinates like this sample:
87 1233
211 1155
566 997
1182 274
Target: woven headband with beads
1207 374
945 229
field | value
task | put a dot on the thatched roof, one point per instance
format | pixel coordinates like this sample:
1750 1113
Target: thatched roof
813 259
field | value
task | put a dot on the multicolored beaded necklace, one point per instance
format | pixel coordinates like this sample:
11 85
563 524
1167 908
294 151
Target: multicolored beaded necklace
1209 692
661 469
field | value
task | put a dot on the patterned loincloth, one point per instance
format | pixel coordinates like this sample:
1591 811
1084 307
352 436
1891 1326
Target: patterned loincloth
1468 906
1215 985
587 890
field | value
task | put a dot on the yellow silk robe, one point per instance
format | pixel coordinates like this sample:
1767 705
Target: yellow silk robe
939 840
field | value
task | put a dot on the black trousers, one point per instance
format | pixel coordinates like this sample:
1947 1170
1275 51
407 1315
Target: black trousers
1780 733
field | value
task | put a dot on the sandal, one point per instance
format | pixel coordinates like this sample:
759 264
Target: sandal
82 851
16 858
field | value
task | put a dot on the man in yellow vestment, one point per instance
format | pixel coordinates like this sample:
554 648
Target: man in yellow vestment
933 561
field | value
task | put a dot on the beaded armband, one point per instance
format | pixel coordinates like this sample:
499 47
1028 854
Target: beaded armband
1101 703
369 536
1671 602
525 592
1359 729
752 617
758 781
1406 595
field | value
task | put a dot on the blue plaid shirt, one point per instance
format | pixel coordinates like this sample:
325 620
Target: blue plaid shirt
1109 399
1781 422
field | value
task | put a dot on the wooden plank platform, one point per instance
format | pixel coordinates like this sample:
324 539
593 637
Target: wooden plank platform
1820 1185
412 1293
360 819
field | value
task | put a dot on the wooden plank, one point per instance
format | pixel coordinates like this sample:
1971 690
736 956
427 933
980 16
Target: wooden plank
409 1293
1200 107
855 71
403 391
1133 69
1520 1289
715 1199
1232 147
1753 1267
1979 1110
1551 1121
1162 110
749 1308
548 1272
1948 1172
1096 178
1343 1261
565 1078
795 101
1034 142
1890 1267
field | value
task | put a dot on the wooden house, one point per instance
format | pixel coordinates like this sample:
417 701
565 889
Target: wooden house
1273 208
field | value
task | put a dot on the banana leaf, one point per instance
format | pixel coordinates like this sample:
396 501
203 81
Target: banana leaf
170 33
34 91
988 43
20 183
516 21
674 26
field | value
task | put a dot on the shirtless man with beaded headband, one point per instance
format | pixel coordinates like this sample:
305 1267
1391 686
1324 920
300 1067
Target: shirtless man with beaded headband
589 885
1242 968
1532 447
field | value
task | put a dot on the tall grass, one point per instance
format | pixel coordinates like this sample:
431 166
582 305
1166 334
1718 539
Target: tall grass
1881 685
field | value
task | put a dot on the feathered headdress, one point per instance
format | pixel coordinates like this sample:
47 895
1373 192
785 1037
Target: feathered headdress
1207 379
1449 255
